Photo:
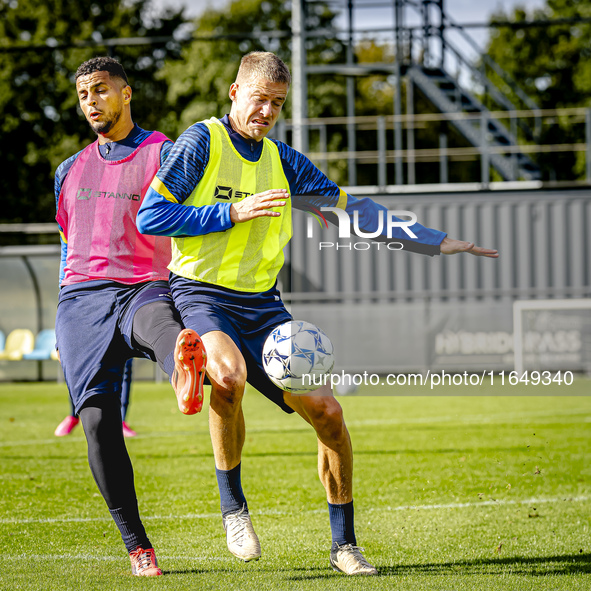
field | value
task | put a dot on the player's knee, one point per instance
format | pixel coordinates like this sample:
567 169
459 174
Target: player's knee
91 423
98 418
229 383
226 402
326 416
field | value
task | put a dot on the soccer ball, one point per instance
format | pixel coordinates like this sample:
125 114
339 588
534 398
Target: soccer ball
296 349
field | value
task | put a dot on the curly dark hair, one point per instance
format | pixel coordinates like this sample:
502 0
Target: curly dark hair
102 64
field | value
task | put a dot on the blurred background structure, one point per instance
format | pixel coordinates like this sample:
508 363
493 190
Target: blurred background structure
483 129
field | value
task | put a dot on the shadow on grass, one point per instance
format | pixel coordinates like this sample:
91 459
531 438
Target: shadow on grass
309 573
538 566
569 564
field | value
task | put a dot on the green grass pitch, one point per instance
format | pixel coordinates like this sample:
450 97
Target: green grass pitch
478 491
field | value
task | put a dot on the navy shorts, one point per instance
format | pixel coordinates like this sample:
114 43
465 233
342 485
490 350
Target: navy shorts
247 318
93 326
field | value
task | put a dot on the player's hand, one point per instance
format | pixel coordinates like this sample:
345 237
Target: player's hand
451 246
259 205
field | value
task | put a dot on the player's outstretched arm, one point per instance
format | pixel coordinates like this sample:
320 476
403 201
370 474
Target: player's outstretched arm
258 205
451 246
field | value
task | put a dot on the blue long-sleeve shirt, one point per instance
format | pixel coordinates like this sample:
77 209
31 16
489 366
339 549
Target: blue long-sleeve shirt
163 212
110 151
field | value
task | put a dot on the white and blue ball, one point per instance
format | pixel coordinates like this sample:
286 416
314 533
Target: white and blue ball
296 349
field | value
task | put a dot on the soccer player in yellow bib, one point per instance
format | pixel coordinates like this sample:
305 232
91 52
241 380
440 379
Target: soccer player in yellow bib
225 195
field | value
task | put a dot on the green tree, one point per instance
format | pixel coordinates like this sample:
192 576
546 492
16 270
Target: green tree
551 63
198 83
40 124
375 96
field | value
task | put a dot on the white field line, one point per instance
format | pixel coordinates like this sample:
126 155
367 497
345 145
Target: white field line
484 419
72 439
492 502
85 557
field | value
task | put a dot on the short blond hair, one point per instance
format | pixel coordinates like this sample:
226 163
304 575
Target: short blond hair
265 65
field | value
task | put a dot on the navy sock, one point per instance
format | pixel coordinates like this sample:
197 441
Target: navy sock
231 496
342 524
169 364
130 525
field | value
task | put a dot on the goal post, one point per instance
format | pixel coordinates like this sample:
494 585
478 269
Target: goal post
552 334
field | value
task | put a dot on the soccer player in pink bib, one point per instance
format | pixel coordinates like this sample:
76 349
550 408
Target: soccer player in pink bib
114 300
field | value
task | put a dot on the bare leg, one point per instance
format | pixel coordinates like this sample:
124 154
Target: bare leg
335 468
335 454
227 372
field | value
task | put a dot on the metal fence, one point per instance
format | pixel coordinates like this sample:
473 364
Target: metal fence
396 311
392 311
380 160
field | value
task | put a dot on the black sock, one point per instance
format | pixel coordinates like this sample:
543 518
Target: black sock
231 496
130 525
342 523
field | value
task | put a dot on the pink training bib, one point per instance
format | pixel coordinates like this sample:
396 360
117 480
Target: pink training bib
97 208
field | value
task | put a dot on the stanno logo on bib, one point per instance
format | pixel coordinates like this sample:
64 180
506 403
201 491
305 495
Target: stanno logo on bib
85 193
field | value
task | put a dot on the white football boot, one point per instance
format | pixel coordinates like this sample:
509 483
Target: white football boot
348 559
240 536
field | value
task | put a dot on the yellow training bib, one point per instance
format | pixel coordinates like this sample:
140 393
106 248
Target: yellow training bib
248 256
